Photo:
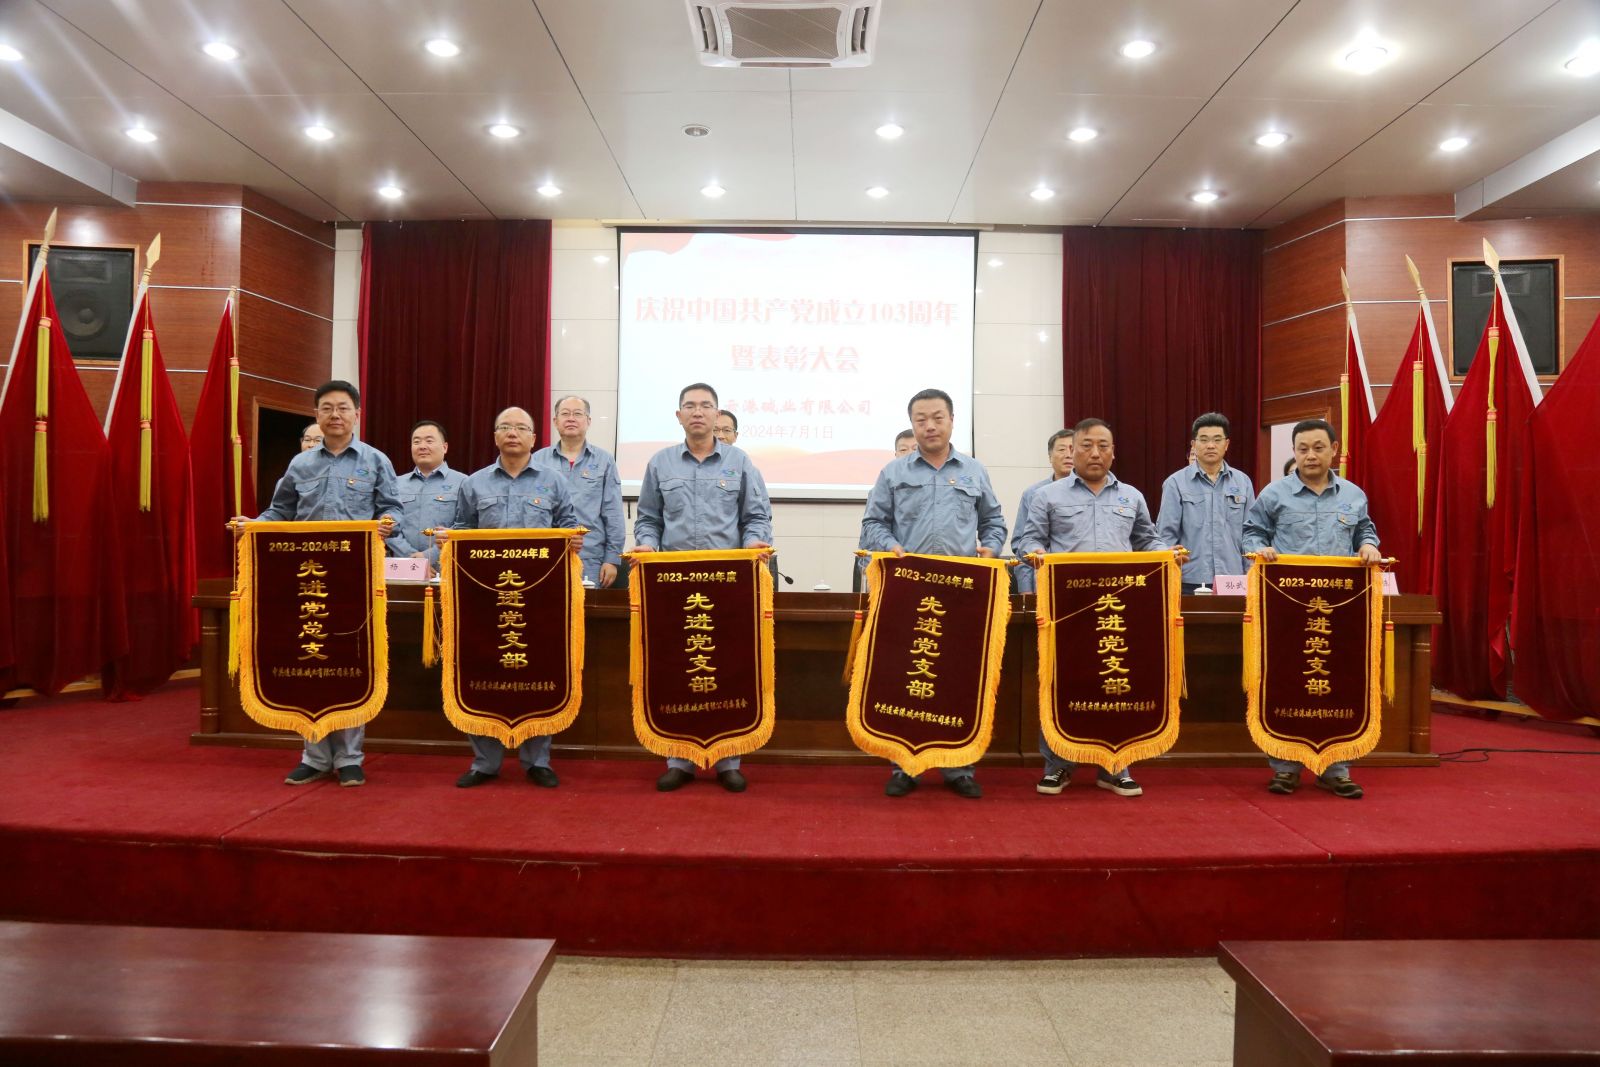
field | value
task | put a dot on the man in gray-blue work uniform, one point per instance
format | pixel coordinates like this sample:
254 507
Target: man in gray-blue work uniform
1203 506
701 495
1058 450
512 493
341 479
593 485
936 501
1088 511
427 494
1312 512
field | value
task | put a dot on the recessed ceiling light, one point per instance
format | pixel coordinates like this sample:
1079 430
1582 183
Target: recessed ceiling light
889 131
319 133
1205 196
996 261
504 131
1453 144
877 192
9 54
1587 60
1138 49
140 134
1273 139
1043 192
549 189
1083 134
713 190
1366 58
220 50
697 129
391 192
442 47
602 259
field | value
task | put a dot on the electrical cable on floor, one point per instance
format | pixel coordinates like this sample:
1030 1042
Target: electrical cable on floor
1460 754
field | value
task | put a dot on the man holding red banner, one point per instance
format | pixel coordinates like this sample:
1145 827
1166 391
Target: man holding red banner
343 478
513 494
934 501
699 496
1088 511
1312 512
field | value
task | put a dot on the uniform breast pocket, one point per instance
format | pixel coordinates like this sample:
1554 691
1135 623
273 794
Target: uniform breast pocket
1192 500
409 502
310 490
491 512
1119 515
730 486
1066 516
674 497
358 495
911 501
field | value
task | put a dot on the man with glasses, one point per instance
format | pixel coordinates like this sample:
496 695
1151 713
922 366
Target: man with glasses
698 496
340 479
1203 507
310 437
592 483
513 493
727 427
427 494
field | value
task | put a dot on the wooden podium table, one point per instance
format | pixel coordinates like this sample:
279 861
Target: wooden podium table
1323 1003
813 630
137 996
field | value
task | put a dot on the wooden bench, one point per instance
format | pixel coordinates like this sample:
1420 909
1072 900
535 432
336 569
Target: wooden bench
1442 1002
134 995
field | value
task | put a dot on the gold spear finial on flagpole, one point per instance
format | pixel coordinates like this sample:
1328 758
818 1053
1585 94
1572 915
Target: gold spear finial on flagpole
1491 460
146 379
1344 380
1419 408
41 392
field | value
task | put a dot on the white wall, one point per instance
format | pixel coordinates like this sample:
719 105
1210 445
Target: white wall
1017 372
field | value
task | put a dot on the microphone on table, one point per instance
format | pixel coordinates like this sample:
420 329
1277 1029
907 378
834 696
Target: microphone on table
786 579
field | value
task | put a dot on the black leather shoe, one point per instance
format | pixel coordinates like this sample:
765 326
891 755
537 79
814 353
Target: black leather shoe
673 779
900 783
965 786
472 778
543 776
732 781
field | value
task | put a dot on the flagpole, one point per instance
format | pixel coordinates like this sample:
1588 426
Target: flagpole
27 302
1344 380
233 403
1419 407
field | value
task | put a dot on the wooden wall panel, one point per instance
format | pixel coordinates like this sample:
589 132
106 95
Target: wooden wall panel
286 265
1302 354
282 343
1303 276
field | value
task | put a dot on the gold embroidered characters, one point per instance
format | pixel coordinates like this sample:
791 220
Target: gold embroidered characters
698 627
1318 648
924 650
1112 625
509 588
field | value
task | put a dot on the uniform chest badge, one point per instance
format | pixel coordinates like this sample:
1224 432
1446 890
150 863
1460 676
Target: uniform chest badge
350 481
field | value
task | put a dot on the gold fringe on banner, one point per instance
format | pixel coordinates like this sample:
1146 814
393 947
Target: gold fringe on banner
1254 605
737 746
41 424
233 406
856 625
1149 748
464 719
377 626
233 630
430 637
1388 661
999 615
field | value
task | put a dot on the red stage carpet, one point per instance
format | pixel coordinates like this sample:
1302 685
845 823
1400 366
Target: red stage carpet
107 814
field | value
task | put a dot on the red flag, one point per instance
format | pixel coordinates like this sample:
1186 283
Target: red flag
61 536
1403 476
214 443
1555 617
1356 407
1475 534
154 503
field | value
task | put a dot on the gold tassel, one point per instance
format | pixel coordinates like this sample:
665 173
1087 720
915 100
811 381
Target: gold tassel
430 653
856 625
41 425
1419 430
1344 424
1388 660
238 443
146 413
1491 460
1422 485
233 634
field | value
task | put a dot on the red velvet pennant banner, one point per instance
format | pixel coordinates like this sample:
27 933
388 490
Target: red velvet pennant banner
211 460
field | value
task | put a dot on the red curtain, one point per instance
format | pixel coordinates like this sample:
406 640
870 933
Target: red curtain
1474 553
1356 414
1555 618
1159 326
1391 474
455 326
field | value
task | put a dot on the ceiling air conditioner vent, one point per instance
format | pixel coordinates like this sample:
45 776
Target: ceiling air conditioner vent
784 33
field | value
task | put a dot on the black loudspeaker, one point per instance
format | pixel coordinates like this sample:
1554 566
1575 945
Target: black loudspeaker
1531 285
93 289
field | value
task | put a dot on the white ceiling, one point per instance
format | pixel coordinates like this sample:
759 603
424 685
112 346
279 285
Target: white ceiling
986 91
